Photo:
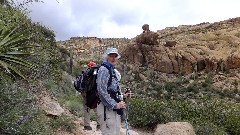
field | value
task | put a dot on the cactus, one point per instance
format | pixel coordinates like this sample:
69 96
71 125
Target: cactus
163 86
195 71
71 60
222 66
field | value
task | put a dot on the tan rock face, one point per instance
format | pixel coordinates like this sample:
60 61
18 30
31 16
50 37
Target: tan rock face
175 128
50 105
149 38
210 47
85 48
234 60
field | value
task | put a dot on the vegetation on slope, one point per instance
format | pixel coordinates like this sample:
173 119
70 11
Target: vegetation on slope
29 60
191 98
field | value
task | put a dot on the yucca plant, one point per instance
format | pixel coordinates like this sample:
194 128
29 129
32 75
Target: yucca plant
13 46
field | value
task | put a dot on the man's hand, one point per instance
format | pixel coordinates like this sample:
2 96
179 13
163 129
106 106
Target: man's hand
121 105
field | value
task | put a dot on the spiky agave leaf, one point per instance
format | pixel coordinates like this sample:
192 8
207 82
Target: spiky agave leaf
13 45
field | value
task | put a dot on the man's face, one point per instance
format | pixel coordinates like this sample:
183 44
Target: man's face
112 59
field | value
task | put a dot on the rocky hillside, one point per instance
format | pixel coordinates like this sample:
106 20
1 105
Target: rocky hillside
178 74
188 48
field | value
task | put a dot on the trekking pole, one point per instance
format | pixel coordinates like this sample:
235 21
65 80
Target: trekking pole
126 120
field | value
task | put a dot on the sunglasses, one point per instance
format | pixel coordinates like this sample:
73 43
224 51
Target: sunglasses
113 55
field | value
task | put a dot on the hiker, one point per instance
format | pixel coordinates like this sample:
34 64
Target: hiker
111 104
86 113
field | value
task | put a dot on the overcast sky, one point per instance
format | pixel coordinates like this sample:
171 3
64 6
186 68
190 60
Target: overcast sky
124 18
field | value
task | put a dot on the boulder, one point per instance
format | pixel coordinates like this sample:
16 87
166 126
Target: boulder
52 109
175 128
145 28
50 105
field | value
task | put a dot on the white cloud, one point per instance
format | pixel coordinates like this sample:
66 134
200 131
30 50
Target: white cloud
124 18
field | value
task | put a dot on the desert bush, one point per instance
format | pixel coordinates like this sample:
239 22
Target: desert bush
63 122
209 129
194 87
93 115
77 71
83 62
75 105
19 114
147 113
64 51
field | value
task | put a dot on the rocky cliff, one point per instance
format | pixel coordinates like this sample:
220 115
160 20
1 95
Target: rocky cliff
188 48
91 47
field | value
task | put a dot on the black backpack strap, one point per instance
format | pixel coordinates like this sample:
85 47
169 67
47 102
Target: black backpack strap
110 79
105 117
109 83
111 74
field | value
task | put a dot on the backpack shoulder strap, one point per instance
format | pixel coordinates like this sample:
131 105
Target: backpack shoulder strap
109 83
111 75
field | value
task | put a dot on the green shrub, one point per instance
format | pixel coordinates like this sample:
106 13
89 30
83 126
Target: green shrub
235 91
147 113
51 85
64 51
14 44
209 129
93 115
19 111
171 86
19 114
74 104
193 88
84 62
77 71
63 122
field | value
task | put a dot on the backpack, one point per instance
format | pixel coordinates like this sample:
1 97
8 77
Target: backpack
80 82
92 98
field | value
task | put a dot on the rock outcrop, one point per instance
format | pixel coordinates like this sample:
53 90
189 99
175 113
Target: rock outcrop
90 47
175 128
150 38
210 47
50 105
145 28
147 37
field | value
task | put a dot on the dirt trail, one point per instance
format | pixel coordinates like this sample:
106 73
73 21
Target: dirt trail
80 131
51 107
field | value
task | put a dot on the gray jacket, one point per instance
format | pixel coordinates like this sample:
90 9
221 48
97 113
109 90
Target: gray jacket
102 86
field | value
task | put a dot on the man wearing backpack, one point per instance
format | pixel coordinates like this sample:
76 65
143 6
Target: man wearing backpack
86 113
111 103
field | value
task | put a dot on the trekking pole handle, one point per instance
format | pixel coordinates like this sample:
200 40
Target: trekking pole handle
121 97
